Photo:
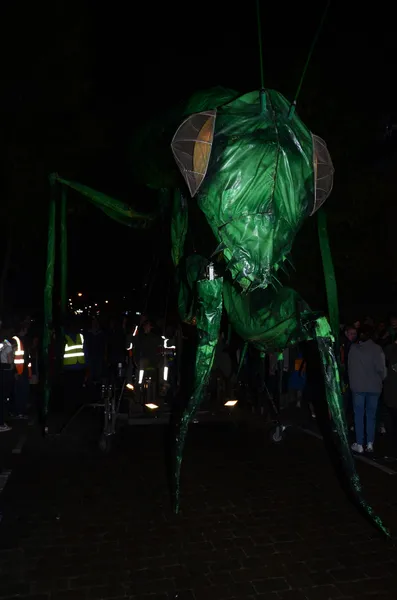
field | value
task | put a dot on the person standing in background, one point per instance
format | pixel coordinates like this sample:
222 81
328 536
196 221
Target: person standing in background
7 375
367 370
23 372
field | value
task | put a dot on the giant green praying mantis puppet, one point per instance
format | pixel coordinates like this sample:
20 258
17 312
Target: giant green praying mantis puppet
255 172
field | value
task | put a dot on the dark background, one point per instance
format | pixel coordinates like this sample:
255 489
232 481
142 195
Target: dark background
78 80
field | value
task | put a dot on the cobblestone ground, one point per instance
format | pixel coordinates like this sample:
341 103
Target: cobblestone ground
257 521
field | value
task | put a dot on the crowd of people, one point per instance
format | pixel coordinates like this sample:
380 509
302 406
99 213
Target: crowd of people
19 370
368 358
81 355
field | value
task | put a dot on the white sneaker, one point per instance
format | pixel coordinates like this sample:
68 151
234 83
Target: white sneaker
357 448
5 427
370 447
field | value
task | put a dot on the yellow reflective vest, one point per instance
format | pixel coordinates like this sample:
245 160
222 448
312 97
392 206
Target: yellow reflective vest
74 351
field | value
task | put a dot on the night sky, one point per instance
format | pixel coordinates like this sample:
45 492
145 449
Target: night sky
78 81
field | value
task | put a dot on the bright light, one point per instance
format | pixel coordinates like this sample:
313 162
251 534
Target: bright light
96 304
151 406
231 403
165 374
137 313
79 294
106 301
130 386
141 373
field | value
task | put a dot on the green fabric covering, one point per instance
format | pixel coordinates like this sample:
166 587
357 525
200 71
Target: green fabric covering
259 185
209 313
48 291
325 343
329 274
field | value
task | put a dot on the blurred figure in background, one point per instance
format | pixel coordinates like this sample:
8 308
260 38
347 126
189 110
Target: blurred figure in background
147 356
7 376
35 357
115 346
95 348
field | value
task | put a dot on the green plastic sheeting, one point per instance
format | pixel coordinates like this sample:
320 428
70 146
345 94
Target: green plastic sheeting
209 313
269 319
48 291
209 99
325 341
189 272
115 209
179 225
259 185
256 172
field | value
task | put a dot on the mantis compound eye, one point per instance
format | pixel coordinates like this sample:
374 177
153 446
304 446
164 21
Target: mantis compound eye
323 172
191 146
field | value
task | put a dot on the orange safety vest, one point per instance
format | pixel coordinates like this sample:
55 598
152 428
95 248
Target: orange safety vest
19 360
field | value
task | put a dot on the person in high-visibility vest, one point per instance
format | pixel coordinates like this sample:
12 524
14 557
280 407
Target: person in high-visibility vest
74 357
74 366
23 368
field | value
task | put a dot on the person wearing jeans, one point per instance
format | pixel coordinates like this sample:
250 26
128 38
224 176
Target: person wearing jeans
365 405
367 370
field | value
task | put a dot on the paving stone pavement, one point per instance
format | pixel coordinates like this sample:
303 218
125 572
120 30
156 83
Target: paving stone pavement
258 521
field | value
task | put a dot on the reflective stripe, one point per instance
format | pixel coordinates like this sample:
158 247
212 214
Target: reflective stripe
20 352
20 361
76 347
165 343
73 355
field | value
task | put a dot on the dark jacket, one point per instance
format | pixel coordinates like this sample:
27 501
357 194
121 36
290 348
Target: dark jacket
345 349
390 383
367 368
147 348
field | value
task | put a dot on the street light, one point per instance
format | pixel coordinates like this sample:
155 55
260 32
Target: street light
79 294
